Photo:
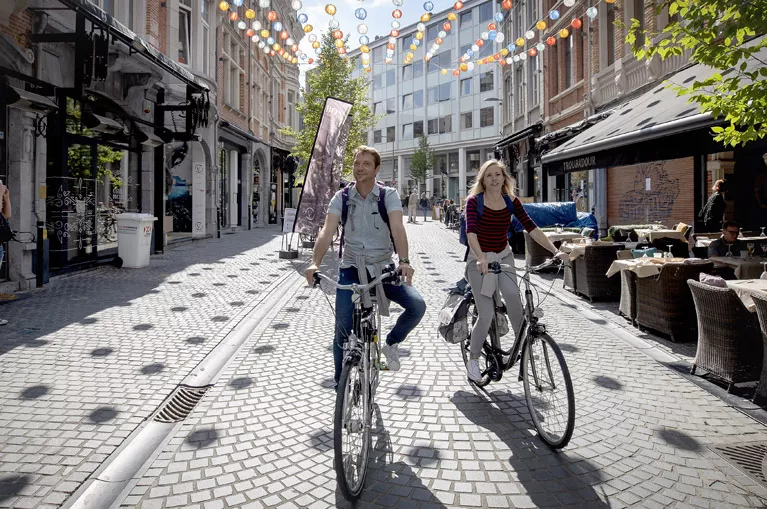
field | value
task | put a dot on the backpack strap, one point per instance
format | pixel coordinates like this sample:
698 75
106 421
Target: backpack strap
480 204
383 212
344 217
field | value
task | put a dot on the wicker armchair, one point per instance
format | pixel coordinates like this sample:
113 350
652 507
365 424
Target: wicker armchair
664 303
730 342
569 275
760 397
628 304
535 254
591 270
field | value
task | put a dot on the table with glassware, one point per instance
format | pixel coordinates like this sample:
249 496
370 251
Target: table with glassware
745 267
745 288
645 266
758 241
652 234
558 236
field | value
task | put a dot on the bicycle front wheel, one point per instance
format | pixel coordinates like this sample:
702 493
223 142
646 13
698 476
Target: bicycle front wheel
351 435
548 390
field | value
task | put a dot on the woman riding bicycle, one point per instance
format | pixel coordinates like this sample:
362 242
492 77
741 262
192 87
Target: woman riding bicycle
487 234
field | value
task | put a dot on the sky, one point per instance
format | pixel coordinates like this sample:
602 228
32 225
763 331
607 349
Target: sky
378 20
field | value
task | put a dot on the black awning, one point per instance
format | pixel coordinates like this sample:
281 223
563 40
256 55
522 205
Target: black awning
127 36
531 130
657 125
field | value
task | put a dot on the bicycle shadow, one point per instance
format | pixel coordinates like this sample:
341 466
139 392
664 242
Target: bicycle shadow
544 474
390 483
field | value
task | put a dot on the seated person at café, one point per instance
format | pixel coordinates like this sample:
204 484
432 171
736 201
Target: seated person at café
728 242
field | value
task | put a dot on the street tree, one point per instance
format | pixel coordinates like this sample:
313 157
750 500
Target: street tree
720 34
422 164
331 78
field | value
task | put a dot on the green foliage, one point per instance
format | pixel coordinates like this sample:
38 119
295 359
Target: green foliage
79 156
422 164
331 78
718 34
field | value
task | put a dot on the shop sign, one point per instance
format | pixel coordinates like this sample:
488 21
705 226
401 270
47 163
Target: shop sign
580 163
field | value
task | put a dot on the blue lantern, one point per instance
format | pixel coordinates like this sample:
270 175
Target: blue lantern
470 52
498 17
364 40
277 26
512 47
270 41
491 35
416 42
237 3
361 13
554 14
302 18
428 6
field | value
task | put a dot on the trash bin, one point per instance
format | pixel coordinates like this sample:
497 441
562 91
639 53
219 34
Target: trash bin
436 213
134 237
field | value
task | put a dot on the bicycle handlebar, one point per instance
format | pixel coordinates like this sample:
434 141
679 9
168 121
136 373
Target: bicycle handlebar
357 287
497 267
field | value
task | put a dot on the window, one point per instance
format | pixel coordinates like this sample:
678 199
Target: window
418 99
418 69
640 16
532 13
377 81
519 77
433 95
486 81
466 86
433 126
519 23
184 28
377 136
432 31
610 34
205 24
466 120
473 160
466 19
508 97
290 108
390 134
555 69
441 61
233 73
391 104
486 117
569 67
407 102
378 109
464 49
407 72
378 54
485 51
418 129
446 124
407 132
486 11
390 78
532 80
445 91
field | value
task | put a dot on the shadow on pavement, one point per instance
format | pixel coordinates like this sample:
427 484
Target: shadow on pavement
11 486
544 474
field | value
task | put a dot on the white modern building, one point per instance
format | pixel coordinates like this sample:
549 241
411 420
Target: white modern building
459 115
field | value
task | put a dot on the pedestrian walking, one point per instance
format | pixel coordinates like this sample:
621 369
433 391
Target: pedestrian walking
712 213
412 204
5 209
424 203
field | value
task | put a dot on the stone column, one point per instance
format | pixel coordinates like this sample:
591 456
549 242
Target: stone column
21 170
462 173
199 190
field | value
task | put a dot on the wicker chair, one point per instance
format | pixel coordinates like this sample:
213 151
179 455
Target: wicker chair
569 275
664 302
760 397
535 254
628 304
591 270
730 342
679 248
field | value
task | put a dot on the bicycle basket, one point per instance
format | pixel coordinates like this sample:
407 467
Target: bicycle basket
453 318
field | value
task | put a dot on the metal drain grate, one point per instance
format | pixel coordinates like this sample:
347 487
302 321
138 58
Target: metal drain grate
180 403
748 458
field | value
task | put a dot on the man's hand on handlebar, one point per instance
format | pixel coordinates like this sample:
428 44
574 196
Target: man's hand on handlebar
309 274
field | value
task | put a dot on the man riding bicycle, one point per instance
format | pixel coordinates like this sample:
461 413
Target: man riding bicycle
367 252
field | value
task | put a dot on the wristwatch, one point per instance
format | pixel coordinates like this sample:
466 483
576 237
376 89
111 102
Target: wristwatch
404 260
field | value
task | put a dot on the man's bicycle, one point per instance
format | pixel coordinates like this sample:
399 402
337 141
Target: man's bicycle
355 394
543 371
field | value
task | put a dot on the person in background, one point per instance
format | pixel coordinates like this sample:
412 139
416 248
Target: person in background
412 204
728 242
5 208
424 204
713 211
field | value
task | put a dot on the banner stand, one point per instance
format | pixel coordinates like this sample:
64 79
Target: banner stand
287 252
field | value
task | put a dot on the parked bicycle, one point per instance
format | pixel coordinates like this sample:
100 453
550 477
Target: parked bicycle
355 394
543 370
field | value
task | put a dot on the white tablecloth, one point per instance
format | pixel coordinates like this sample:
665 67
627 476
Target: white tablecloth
576 249
745 288
652 235
750 268
642 267
705 242
554 236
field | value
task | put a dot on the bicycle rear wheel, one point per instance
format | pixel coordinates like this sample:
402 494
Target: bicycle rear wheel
351 437
548 390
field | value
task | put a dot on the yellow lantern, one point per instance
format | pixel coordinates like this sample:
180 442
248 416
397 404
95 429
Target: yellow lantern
365 49
464 67
610 1
339 43
367 69
452 17
419 35
541 25
564 33
330 9
308 28
250 14
413 47
444 72
316 44
504 52
276 47
410 56
520 42
224 6
264 33
491 59
425 17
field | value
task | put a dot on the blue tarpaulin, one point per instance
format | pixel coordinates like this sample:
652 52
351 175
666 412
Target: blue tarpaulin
553 213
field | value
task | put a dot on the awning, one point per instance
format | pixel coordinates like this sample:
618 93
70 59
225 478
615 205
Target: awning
533 130
101 18
655 126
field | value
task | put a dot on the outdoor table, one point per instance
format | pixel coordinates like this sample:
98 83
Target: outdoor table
560 236
745 288
652 235
705 242
576 250
745 268
642 267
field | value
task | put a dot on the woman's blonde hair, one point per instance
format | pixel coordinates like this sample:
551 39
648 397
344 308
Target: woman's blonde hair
479 187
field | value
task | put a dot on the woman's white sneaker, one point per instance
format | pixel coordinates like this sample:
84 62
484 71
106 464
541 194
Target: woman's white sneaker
472 370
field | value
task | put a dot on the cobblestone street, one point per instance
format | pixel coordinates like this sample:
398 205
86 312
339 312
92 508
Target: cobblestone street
87 360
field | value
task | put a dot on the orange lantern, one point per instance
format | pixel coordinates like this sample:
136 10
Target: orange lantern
502 62
396 13
341 50
311 61
394 33
390 46
271 53
337 34
233 16
497 56
294 48
271 16
456 72
532 52
284 35
446 26
577 23
464 67
439 40
480 42
250 32
506 5
491 26
551 41
458 5
281 52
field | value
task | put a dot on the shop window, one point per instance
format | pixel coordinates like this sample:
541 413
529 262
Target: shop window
184 30
486 81
486 117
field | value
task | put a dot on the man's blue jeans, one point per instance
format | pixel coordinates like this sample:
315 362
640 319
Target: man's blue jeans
406 296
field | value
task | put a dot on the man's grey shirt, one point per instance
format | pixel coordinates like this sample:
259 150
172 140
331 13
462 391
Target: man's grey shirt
366 232
718 247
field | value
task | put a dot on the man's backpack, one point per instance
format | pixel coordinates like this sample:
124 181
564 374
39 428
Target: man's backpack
462 237
345 213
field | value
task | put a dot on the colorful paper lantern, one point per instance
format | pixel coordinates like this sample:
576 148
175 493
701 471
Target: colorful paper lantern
308 28
458 5
428 6
576 23
237 3
500 37
334 23
395 24
284 35
592 12
540 47
564 33
444 72
491 26
451 16
339 43
396 13
553 14
316 44
264 33
456 72
394 33
233 16
425 17
256 25
398 3
250 14
330 9
337 34
541 25
224 6
277 26
296 5
271 16
551 41
250 32
364 39
362 28
506 5
242 25
568 3
312 37
446 26
529 34
520 41
302 18
532 52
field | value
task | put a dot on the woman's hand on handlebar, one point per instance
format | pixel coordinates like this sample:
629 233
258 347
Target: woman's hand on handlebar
483 265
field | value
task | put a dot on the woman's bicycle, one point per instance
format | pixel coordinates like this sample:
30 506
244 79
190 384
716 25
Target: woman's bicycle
543 371
355 394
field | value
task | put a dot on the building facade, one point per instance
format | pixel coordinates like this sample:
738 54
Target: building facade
161 107
459 115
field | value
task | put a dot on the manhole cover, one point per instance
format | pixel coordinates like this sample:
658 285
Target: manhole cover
748 458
